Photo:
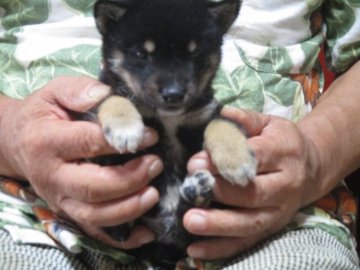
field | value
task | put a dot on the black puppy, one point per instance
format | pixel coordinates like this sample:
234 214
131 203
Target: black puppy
160 57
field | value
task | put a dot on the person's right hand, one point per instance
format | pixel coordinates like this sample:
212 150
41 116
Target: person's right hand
40 143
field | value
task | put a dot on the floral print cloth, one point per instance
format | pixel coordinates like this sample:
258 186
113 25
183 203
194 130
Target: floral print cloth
270 65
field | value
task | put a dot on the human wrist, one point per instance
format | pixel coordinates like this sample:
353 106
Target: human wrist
6 103
332 130
321 177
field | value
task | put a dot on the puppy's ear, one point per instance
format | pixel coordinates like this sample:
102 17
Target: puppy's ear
109 11
225 11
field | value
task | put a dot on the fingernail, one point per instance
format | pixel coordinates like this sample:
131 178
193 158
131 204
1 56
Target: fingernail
196 252
197 222
98 91
155 168
149 198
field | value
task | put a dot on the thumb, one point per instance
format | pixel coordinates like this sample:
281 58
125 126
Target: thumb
252 122
77 94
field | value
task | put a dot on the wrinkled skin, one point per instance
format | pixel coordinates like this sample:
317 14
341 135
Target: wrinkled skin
297 164
40 143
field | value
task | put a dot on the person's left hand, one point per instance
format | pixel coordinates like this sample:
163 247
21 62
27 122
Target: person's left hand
287 169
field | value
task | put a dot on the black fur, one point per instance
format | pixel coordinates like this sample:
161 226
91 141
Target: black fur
171 49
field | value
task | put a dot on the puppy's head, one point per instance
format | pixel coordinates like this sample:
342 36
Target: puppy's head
163 53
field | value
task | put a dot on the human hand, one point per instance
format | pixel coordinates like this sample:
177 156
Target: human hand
287 173
39 142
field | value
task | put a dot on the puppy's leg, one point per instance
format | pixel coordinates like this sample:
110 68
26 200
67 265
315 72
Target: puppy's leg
230 152
121 122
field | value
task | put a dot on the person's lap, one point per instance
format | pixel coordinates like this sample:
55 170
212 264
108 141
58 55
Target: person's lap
299 249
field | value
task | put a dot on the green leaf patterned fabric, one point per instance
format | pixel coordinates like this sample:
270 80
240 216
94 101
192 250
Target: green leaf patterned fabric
79 60
343 33
24 12
240 89
38 45
84 6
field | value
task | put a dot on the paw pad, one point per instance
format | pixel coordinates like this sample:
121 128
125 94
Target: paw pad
197 188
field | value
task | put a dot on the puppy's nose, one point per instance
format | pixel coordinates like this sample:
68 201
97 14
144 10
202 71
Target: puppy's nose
173 94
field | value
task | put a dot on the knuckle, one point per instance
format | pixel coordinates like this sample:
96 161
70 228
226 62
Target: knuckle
91 195
256 196
126 184
133 183
34 142
87 192
90 143
260 223
130 211
295 148
85 215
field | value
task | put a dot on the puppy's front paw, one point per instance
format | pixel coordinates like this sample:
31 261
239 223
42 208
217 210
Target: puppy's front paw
240 169
122 124
197 189
124 134
230 152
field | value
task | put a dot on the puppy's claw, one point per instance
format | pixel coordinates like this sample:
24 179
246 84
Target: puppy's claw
242 174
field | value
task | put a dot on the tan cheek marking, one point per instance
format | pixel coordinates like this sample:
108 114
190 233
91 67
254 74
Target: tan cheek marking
116 66
131 82
192 46
210 71
116 61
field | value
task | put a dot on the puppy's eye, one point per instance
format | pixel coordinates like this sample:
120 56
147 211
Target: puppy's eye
194 54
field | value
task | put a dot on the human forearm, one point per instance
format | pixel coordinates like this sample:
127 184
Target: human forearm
333 127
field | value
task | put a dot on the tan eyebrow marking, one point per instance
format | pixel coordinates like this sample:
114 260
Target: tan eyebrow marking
149 46
192 46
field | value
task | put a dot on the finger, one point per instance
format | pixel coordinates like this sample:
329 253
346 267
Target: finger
201 161
80 139
260 192
252 122
76 93
220 248
99 234
230 222
138 237
111 213
94 184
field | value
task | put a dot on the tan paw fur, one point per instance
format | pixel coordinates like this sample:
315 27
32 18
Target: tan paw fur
122 124
230 152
